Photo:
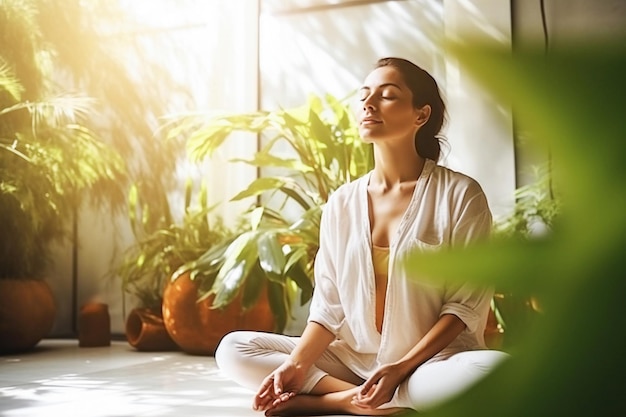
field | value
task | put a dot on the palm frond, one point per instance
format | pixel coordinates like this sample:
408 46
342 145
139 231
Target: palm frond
9 82
55 111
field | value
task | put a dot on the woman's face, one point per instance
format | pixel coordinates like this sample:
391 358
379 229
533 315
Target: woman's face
386 111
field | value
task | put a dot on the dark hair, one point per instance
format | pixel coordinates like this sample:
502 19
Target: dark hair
425 91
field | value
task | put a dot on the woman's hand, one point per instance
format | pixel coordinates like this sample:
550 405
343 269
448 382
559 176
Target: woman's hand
380 387
279 386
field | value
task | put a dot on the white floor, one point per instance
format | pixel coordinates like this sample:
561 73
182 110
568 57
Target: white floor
59 378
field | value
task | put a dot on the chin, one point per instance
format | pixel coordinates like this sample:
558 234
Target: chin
366 136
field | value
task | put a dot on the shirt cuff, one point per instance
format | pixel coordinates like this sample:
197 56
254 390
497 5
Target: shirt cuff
463 312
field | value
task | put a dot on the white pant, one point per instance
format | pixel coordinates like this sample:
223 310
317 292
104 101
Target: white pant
247 357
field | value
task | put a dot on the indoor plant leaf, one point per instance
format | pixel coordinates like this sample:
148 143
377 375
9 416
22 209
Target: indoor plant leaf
271 257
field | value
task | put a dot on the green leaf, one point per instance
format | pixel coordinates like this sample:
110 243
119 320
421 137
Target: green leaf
259 186
255 284
15 152
256 215
295 196
240 258
265 160
204 141
271 257
9 82
277 294
302 280
482 264
208 263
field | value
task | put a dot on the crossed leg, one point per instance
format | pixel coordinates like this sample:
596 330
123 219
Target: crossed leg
248 357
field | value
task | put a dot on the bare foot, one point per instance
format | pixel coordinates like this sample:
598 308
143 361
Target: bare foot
331 403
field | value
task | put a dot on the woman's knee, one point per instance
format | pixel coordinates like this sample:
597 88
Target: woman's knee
484 361
228 352
436 382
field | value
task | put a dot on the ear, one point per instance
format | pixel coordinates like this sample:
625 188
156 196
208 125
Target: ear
423 115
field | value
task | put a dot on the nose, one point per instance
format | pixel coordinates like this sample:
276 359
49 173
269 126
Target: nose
368 105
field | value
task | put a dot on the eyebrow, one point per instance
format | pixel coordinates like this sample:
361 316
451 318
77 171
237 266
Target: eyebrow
382 86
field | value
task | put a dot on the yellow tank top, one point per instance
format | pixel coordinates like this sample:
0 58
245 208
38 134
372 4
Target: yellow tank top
380 257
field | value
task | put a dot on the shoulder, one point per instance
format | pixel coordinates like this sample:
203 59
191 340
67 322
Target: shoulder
455 183
347 194
463 195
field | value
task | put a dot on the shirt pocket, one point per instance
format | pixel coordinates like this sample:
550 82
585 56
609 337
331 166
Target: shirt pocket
426 244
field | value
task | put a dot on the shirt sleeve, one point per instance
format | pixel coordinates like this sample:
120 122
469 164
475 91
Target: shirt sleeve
326 307
469 303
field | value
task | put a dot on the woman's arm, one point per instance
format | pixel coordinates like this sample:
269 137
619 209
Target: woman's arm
380 387
313 342
447 328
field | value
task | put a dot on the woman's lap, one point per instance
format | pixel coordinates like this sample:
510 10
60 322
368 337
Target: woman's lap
248 357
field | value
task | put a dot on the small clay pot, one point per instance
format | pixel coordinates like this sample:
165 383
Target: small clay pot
145 331
94 325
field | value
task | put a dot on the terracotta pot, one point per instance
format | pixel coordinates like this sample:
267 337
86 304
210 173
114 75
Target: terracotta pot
145 331
197 328
94 325
27 313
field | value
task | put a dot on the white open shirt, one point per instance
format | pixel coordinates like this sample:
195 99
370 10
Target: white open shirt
447 208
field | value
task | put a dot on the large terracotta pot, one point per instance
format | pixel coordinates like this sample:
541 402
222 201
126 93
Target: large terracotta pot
197 328
27 313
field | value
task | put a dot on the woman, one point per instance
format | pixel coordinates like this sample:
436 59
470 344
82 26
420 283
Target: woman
379 341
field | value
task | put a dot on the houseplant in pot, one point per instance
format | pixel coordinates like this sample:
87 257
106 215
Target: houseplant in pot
47 160
169 314
145 266
46 45
307 152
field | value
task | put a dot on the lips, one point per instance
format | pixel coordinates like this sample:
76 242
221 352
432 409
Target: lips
370 121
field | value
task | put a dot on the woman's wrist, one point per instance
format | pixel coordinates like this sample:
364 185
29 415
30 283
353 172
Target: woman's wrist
299 363
405 367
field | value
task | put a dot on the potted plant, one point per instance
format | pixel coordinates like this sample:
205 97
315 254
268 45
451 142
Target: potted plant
169 313
46 44
48 159
310 150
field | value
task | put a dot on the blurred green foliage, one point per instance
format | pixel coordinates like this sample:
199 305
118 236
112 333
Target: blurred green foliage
570 361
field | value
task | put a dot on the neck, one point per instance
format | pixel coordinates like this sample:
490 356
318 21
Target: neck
396 168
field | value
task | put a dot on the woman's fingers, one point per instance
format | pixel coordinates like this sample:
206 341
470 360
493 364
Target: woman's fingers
363 396
373 398
371 382
265 385
278 384
264 394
